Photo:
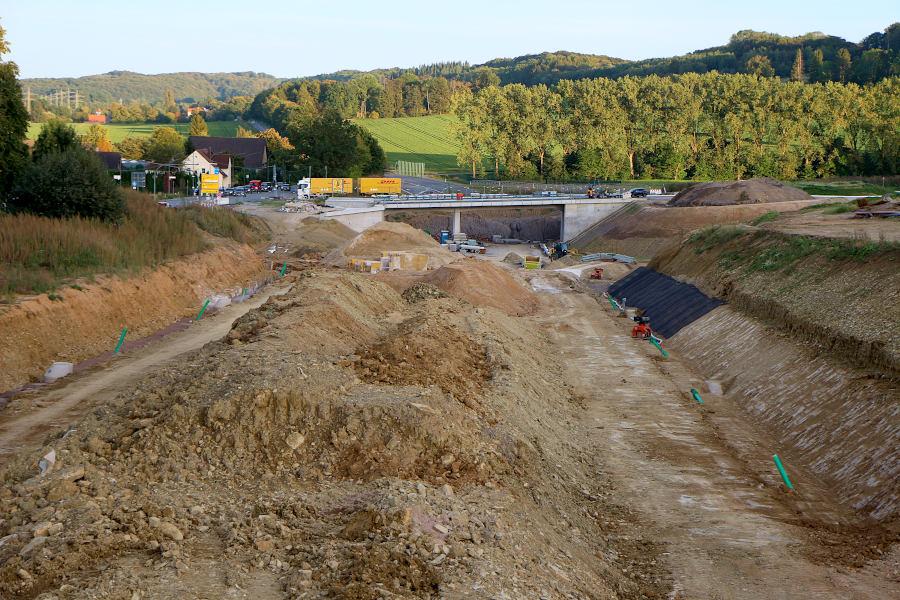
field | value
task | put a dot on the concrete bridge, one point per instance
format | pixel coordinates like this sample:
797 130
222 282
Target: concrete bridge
578 212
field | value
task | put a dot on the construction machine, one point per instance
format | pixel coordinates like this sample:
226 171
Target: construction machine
642 329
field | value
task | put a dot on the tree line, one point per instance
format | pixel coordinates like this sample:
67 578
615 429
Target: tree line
691 126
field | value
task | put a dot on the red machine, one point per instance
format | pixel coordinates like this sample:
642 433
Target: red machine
642 329
597 274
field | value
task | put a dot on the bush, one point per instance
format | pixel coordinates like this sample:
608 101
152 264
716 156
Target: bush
71 183
37 253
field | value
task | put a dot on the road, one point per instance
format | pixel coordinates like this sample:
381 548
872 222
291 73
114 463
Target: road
427 185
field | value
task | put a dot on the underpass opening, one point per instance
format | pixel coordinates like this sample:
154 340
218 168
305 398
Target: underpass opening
542 223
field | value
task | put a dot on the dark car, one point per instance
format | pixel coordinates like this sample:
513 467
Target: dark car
639 193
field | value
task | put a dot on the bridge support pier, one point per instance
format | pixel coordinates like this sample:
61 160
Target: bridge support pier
457 227
577 218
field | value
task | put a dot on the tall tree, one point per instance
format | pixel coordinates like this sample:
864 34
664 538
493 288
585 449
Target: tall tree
55 136
132 147
843 64
797 70
759 64
198 125
96 138
165 146
13 122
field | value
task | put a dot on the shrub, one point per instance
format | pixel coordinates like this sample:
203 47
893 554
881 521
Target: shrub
765 218
71 183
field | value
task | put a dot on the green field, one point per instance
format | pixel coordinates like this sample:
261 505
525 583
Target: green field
417 139
118 131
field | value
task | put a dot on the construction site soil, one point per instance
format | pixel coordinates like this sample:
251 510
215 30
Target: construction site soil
390 236
340 441
85 320
758 190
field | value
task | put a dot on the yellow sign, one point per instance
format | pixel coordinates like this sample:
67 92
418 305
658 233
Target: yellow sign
209 184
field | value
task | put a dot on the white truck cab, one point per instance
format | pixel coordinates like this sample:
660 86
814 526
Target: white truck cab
303 189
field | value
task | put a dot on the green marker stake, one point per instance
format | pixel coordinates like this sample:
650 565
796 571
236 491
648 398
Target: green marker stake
202 310
658 347
784 475
696 395
283 269
121 339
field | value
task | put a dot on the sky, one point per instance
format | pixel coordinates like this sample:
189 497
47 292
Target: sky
70 38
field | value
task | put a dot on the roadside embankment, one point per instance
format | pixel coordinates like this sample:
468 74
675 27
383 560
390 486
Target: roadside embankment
841 297
643 231
80 322
806 346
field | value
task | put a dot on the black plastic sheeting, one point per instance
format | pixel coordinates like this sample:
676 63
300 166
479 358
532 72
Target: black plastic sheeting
670 304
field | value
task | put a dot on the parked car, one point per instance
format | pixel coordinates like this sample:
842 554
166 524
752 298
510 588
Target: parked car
639 193
284 187
236 191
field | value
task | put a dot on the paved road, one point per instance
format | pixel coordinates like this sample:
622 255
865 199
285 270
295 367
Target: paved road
426 185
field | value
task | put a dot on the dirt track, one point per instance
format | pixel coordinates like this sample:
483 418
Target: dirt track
725 533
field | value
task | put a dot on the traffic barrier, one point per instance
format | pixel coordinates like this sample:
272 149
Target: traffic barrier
784 475
121 340
202 310
696 396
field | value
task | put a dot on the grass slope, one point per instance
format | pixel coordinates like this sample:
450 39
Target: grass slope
118 131
417 139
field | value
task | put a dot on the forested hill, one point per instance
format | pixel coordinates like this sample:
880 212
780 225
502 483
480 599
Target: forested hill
128 86
824 58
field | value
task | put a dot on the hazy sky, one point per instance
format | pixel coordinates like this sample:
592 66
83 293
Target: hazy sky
68 38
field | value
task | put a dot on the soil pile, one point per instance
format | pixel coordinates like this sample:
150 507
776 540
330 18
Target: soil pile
759 190
484 284
422 291
513 259
388 236
423 351
318 236
264 466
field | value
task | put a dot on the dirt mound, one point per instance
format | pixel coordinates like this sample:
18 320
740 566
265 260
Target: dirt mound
513 259
422 291
317 236
760 190
484 284
388 236
265 466
428 352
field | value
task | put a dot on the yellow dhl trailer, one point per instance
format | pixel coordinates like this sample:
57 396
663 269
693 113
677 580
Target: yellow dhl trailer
379 185
330 185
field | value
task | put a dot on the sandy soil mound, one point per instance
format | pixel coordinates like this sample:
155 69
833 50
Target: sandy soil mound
387 236
513 259
416 354
263 466
484 284
314 236
759 190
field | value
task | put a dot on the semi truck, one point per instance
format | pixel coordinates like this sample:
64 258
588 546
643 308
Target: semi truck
334 186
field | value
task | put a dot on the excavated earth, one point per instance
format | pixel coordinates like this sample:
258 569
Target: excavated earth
344 440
